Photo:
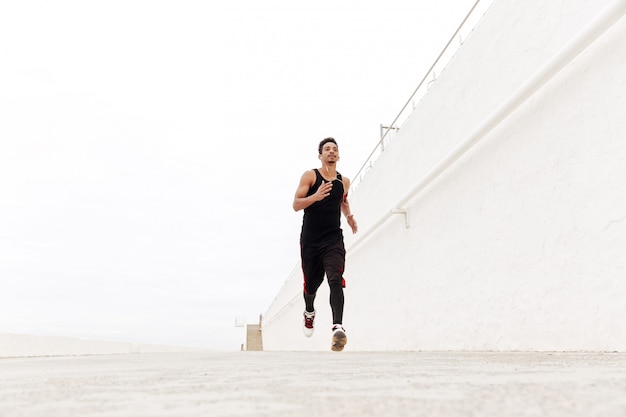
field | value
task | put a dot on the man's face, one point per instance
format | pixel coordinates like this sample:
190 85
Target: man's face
330 152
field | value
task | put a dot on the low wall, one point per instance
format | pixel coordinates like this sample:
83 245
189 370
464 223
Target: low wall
23 345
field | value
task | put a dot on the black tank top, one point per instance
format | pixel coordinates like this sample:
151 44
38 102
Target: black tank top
321 223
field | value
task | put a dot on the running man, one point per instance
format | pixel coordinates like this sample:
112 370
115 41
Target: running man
323 195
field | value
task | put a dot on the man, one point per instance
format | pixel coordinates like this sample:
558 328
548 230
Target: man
323 195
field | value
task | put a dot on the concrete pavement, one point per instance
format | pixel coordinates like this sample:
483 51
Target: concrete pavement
214 384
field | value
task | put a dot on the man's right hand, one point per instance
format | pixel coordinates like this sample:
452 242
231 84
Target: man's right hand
323 191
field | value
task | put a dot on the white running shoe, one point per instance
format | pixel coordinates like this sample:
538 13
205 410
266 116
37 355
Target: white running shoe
307 326
339 338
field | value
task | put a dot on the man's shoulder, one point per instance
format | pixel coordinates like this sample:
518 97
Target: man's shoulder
309 176
310 173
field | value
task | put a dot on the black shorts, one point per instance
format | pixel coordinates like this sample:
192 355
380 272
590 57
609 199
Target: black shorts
328 259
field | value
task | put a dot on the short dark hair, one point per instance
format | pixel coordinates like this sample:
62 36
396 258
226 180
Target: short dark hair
324 142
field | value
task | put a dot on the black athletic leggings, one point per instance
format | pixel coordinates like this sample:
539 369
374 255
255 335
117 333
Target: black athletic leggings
326 260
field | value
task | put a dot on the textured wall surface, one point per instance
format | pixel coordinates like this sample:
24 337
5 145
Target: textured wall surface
520 244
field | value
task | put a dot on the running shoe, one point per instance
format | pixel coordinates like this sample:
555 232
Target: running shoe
307 326
339 338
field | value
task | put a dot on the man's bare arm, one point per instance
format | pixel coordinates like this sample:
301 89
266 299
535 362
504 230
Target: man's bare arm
301 201
345 207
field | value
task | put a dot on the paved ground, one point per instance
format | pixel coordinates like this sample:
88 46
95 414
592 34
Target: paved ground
312 384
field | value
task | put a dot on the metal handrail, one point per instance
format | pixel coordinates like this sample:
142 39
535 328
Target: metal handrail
369 160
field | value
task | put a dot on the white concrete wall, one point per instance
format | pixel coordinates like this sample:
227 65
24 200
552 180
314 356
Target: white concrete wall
521 244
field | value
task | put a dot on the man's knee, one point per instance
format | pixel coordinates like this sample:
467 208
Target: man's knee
335 282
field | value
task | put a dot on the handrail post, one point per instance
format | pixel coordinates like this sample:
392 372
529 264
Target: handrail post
405 212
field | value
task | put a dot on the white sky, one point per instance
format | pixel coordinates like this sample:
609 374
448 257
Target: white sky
150 150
